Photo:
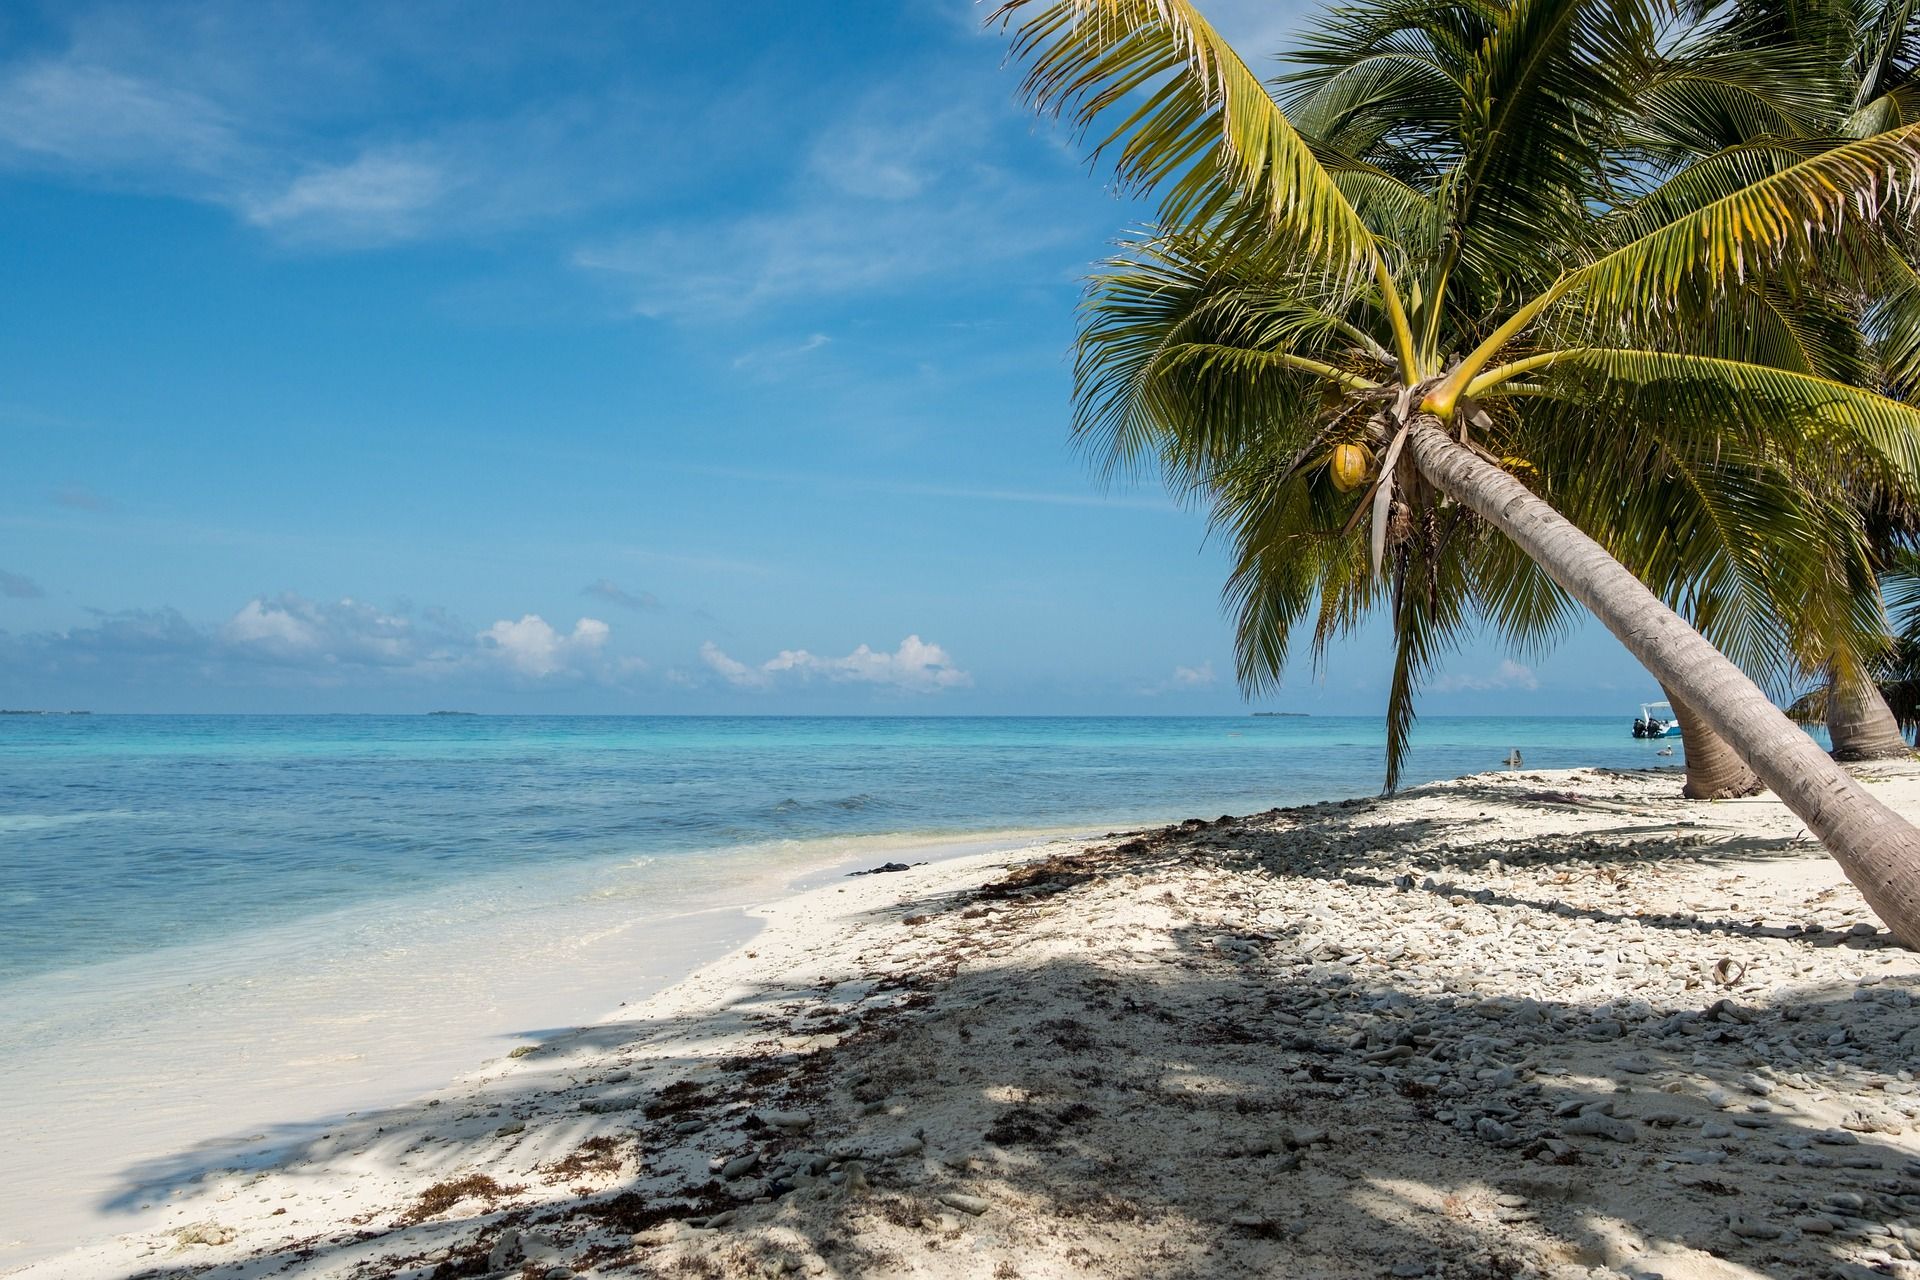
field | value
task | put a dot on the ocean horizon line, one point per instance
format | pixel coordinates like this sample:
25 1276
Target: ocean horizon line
805 715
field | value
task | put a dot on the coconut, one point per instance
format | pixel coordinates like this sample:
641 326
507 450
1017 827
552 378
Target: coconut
1351 466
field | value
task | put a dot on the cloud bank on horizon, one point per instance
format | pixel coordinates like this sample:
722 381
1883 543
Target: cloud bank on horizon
289 640
327 642
914 667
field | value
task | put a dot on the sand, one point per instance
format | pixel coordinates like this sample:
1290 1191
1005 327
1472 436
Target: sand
1557 1024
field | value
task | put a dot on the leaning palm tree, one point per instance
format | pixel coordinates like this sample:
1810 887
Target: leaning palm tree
1445 332
1395 86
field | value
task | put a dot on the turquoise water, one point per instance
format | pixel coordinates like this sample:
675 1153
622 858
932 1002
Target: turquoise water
122 835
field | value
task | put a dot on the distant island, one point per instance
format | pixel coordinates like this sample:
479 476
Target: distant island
1296 714
13 711
453 713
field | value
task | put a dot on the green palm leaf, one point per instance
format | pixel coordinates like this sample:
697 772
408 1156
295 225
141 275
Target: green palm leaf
1794 212
1192 118
1894 320
1778 403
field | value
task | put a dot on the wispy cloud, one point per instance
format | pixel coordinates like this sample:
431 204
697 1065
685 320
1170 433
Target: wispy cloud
916 667
1183 680
770 360
962 493
17 586
378 195
1508 675
613 593
72 113
1199 677
81 499
890 196
313 131
1259 29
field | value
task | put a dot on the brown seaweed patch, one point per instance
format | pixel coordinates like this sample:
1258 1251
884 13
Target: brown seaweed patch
676 1099
442 1196
595 1155
1049 875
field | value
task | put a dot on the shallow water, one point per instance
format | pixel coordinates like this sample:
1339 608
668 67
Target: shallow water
123 835
216 930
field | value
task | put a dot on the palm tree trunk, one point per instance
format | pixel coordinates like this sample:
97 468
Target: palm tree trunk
1878 850
1861 723
1714 770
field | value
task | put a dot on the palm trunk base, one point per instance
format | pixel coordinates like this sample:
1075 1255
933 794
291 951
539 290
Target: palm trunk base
1861 723
1852 755
1714 789
1714 770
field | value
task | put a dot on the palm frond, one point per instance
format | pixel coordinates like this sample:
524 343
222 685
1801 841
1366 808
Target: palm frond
1732 88
1894 321
1794 213
1538 90
1186 357
1778 403
1705 179
1188 118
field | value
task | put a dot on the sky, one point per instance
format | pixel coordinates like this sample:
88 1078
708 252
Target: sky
588 358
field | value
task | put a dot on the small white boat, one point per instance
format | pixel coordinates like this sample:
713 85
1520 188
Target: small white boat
1651 724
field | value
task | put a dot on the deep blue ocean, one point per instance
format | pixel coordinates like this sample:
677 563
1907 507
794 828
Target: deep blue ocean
121 835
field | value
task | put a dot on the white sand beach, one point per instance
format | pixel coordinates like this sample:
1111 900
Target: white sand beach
1519 1024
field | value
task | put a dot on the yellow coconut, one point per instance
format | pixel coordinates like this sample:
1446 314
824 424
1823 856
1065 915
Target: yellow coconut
1351 465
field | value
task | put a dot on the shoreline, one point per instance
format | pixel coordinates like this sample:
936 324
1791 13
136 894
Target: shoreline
842 972
99 1190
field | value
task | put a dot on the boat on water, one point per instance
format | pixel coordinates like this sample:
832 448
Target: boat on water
1651 724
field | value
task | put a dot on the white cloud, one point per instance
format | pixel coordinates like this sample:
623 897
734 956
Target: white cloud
264 624
732 670
820 248
532 647
291 628
1508 675
380 194
886 153
1198 677
916 666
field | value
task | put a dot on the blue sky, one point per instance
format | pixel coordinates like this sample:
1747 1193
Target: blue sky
584 358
